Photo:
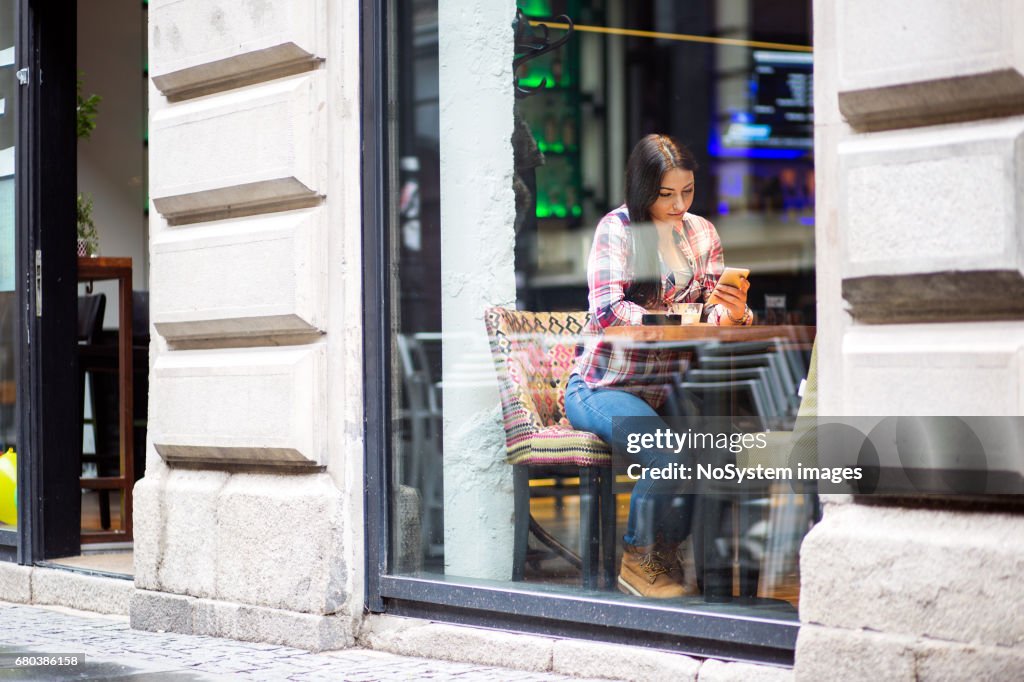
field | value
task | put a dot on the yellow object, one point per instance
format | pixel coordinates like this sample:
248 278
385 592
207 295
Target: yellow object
9 487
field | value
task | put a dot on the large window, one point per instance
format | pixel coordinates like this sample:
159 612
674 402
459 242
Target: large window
501 177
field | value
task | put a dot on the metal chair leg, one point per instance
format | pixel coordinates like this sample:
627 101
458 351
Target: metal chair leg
589 526
521 529
608 539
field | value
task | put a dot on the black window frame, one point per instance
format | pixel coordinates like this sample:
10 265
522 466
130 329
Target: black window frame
526 608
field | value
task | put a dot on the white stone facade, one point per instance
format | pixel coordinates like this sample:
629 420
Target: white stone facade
249 520
920 167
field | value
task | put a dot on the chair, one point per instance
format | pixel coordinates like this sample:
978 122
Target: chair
775 361
421 468
534 354
91 309
772 399
730 398
788 521
90 317
98 358
769 558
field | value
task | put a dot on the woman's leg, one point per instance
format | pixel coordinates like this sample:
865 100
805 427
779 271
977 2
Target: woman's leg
657 508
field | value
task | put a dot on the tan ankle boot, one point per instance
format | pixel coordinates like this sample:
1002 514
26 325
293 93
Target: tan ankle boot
645 573
674 559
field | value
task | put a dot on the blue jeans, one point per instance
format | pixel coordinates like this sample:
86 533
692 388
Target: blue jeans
656 507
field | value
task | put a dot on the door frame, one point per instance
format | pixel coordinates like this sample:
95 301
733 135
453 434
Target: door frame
49 503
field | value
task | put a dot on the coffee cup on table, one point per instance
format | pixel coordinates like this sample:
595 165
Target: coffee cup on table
689 313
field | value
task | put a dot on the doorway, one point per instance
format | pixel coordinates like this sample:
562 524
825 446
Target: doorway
73 113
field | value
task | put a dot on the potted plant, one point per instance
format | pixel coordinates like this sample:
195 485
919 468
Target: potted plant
88 240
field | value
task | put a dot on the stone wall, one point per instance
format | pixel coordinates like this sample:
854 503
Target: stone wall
919 152
248 523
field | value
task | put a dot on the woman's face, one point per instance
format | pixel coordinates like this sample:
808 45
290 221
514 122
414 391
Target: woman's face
674 196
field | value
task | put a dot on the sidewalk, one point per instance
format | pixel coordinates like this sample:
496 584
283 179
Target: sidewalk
114 651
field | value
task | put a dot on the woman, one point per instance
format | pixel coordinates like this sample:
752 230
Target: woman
647 254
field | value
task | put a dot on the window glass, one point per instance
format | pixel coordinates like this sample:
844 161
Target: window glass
515 256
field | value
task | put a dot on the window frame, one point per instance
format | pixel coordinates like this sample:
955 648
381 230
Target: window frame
524 608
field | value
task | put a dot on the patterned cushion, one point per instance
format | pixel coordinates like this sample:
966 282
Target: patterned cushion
554 445
534 354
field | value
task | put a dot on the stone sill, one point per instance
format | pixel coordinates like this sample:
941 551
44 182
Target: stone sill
58 587
580 658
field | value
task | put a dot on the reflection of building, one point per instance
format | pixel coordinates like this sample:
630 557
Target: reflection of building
269 469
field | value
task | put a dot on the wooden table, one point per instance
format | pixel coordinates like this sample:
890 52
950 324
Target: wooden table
685 340
119 269
710 332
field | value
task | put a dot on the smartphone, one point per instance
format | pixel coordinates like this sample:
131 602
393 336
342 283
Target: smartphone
731 276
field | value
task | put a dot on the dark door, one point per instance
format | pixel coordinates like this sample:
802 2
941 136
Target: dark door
44 284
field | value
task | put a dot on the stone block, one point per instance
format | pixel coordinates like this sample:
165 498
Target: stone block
248 151
947 369
826 67
279 543
721 671
832 317
913 250
196 47
147 530
460 643
164 612
187 562
161 612
254 276
898 217
83 592
272 626
936 574
850 656
240 406
601 660
945 662
936 60
15 583
836 654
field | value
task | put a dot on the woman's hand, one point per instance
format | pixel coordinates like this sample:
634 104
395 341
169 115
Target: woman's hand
734 299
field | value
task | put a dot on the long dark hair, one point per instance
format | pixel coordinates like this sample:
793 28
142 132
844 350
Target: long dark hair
651 158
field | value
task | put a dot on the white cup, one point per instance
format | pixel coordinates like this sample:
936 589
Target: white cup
689 312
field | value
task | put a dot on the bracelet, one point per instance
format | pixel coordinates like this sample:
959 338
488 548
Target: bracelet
743 319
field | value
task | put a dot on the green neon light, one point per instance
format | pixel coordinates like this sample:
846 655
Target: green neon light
537 8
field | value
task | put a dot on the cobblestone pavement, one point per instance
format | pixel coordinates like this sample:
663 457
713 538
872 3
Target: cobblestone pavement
114 651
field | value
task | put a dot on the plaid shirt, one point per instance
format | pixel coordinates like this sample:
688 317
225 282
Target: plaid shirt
642 371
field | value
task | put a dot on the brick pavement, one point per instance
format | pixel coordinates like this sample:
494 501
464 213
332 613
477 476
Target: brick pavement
114 651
